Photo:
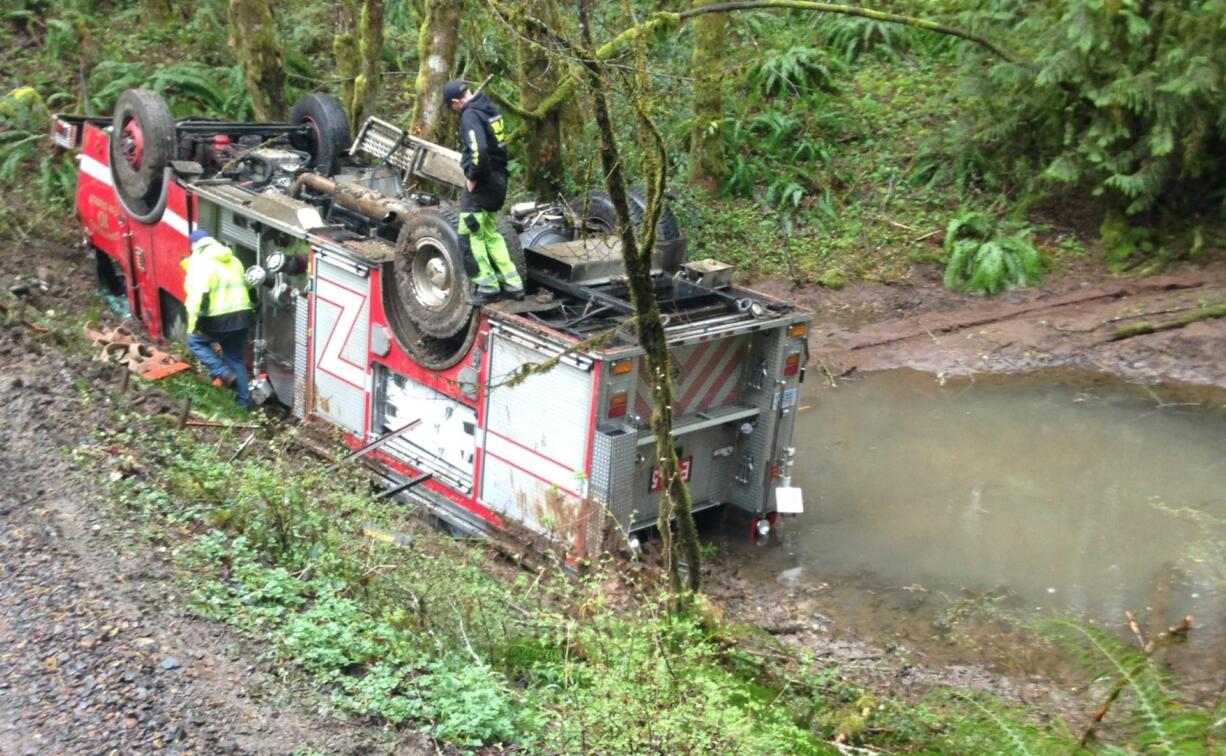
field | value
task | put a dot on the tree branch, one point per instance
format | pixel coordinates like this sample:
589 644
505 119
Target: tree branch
845 10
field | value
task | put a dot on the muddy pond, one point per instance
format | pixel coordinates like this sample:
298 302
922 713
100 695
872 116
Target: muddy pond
946 514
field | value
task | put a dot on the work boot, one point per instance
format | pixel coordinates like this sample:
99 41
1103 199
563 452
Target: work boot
484 295
513 292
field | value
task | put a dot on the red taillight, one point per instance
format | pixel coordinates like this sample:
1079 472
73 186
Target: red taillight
791 366
618 404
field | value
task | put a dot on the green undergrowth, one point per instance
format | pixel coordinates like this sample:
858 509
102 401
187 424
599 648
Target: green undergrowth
427 636
441 636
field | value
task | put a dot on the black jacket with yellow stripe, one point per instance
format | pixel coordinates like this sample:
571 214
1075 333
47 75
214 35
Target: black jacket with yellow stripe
481 130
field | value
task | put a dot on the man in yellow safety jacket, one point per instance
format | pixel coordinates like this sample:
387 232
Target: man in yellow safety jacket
218 311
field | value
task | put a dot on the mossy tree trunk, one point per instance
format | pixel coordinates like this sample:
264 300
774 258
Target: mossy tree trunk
370 47
436 49
708 164
253 34
346 52
538 81
157 12
636 254
357 49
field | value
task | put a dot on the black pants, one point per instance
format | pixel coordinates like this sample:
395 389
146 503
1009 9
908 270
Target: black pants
489 195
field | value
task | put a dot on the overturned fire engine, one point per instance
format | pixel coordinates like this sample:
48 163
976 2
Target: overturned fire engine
363 321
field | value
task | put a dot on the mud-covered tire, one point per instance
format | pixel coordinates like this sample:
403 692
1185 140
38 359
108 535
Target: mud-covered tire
329 126
431 282
434 267
599 217
142 145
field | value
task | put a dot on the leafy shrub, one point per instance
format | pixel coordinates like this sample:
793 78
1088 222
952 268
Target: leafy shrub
982 260
27 156
1124 99
189 88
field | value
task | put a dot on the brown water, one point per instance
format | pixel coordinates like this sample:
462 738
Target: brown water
946 513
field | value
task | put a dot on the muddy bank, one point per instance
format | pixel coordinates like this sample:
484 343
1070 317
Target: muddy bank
1071 321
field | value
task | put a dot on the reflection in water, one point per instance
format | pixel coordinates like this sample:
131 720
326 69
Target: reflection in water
1061 496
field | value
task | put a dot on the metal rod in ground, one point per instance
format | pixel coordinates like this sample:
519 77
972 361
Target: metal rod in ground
124 377
218 424
242 447
185 413
373 445
404 486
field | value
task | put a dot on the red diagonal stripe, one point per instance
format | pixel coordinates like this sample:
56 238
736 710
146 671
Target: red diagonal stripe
642 407
721 382
693 387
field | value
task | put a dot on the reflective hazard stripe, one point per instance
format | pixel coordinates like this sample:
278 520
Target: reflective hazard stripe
707 377
99 172
472 142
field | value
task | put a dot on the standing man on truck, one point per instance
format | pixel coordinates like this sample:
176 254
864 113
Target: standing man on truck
484 160
218 311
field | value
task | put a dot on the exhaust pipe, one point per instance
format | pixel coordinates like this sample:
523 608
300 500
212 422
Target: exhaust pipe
373 204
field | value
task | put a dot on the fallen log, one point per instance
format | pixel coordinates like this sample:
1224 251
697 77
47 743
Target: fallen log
934 323
1145 327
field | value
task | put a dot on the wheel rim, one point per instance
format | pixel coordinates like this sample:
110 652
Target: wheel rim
132 143
432 277
319 137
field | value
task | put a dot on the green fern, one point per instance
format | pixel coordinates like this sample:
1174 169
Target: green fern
855 36
1157 719
797 70
992 728
1122 99
983 260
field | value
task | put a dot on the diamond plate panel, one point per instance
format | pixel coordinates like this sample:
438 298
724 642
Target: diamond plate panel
300 357
751 460
613 463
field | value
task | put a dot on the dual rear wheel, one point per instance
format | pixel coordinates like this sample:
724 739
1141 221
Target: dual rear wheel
144 141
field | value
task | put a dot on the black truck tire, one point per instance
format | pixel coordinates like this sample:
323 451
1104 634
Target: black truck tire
142 145
595 209
432 273
431 282
329 125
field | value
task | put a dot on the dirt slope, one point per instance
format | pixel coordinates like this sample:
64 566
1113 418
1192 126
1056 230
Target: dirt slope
97 654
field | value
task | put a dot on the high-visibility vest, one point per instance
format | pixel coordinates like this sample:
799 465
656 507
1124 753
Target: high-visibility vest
213 269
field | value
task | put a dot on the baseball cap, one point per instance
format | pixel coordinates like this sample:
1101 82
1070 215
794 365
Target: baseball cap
453 90
197 235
